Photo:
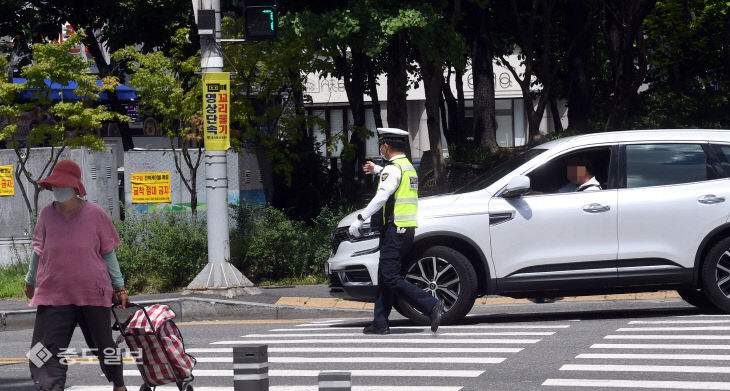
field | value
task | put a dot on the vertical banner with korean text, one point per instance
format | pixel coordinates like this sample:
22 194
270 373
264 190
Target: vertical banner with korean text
216 109
7 187
151 187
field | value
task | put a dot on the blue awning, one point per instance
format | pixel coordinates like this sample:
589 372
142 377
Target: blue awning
123 92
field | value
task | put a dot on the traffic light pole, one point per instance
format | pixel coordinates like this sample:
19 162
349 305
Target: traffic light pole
219 276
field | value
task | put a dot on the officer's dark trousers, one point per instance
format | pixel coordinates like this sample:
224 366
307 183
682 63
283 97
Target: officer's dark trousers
390 281
54 327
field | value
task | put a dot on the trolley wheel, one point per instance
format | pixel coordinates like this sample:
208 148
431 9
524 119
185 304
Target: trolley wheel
188 387
145 387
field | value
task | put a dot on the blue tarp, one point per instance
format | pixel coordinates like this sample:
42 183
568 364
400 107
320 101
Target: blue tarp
123 92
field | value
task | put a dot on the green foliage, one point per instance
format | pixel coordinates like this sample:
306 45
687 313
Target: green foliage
12 280
161 252
266 245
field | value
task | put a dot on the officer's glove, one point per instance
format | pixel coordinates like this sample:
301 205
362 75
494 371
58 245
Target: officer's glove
355 228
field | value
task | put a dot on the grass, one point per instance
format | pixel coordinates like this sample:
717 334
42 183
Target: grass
12 281
307 280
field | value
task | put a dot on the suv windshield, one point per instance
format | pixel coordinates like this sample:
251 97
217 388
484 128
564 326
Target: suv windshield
499 171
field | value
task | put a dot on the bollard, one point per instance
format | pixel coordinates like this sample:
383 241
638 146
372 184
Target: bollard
250 368
334 381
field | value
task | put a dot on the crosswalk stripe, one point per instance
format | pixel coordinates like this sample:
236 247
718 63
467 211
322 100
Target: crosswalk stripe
364 350
284 388
353 372
645 368
423 360
658 346
667 336
658 356
690 321
459 327
506 333
381 341
653 384
690 328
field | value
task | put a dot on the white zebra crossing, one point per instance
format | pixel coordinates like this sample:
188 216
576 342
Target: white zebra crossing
417 353
596 363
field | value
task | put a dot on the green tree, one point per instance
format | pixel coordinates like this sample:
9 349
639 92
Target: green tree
73 124
169 89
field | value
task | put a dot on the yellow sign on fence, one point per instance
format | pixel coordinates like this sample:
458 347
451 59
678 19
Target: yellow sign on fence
7 187
216 109
151 187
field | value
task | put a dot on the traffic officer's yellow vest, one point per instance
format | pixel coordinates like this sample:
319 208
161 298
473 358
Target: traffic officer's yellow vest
405 199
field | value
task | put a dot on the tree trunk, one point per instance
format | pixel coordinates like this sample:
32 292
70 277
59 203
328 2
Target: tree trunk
449 111
579 87
373 87
557 123
485 122
460 107
397 82
628 60
105 70
432 78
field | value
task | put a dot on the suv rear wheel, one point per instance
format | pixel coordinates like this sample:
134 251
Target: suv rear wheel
447 275
716 275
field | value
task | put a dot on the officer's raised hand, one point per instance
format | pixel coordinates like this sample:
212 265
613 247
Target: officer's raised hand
369 168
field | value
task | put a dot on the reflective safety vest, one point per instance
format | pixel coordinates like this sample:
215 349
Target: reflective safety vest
402 207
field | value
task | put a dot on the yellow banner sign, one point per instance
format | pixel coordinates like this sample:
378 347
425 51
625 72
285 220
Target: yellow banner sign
151 187
216 110
7 187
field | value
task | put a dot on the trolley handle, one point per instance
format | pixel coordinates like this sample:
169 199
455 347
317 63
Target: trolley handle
123 325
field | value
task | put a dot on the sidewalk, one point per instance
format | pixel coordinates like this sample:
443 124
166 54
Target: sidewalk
275 302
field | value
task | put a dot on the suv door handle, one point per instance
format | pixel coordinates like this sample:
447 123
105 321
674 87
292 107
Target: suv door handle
596 208
710 199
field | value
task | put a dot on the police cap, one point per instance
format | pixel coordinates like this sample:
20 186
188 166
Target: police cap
393 136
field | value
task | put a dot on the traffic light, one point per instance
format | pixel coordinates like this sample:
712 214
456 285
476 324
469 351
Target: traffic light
260 19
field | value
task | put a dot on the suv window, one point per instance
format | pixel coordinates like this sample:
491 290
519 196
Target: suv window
483 181
552 177
666 164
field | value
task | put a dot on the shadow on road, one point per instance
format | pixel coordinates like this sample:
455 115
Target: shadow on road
16 384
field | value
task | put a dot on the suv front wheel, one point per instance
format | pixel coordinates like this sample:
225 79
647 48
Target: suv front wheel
447 275
716 275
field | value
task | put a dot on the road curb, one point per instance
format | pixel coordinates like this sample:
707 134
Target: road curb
196 309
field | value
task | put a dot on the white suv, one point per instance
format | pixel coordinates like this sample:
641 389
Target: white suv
660 222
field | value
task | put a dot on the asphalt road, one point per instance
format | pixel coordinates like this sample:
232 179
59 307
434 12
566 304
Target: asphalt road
609 345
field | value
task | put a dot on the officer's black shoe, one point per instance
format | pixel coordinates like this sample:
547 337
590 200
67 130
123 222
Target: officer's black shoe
436 313
372 329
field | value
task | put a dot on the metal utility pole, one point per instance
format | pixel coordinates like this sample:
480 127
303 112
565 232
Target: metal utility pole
218 276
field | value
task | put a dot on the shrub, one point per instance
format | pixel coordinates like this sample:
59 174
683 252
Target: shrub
161 252
12 280
266 245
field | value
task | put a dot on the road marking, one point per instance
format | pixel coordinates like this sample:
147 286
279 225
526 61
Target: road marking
353 372
645 368
653 384
506 333
239 322
284 388
700 328
667 336
657 346
714 321
380 340
461 327
426 360
364 350
658 356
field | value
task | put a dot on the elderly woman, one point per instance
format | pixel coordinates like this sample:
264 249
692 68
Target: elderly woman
73 278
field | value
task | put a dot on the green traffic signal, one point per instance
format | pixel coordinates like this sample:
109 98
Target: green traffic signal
260 23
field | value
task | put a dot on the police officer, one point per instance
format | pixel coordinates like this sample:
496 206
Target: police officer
396 203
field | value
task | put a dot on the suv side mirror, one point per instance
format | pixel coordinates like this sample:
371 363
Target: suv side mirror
517 186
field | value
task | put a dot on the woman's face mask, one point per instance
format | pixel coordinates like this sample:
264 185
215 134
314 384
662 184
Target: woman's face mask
63 194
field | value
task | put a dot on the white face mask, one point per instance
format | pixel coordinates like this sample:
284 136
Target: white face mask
63 194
